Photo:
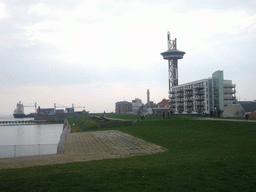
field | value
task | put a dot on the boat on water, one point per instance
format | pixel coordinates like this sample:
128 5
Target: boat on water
19 112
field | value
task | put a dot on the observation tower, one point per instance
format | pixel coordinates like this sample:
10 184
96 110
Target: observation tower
172 55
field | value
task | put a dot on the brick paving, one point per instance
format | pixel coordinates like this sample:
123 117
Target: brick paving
87 146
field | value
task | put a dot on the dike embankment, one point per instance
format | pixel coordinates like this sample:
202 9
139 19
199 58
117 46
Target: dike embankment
87 146
65 133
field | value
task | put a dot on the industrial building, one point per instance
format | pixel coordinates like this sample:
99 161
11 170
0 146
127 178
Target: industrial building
202 96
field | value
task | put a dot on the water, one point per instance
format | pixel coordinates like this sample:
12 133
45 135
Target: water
19 139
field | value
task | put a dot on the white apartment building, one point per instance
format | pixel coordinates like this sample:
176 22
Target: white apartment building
202 96
136 104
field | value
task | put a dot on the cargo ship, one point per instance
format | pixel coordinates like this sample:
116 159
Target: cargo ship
19 112
59 115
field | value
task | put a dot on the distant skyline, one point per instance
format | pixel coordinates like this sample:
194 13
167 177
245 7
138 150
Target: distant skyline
95 53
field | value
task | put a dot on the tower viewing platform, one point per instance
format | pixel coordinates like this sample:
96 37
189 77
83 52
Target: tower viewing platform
172 55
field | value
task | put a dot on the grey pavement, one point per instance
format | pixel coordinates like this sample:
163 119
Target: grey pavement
219 119
88 146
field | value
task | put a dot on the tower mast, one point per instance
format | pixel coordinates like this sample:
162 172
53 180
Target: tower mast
172 55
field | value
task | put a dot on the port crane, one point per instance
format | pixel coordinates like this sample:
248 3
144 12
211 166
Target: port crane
77 106
73 106
59 106
30 105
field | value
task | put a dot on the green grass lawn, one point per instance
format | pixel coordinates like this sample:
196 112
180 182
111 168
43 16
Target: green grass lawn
201 156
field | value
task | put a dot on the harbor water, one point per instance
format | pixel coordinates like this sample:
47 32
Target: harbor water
27 140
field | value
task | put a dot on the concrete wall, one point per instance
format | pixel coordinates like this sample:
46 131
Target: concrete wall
64 135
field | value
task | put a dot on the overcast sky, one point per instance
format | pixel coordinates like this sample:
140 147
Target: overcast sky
95 53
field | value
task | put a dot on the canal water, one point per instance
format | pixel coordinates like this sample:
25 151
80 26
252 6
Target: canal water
25 140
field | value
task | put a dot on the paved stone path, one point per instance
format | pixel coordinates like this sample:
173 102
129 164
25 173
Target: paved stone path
89 146
218 119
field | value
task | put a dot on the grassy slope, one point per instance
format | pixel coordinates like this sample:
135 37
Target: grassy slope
201 156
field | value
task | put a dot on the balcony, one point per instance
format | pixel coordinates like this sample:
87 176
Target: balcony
180 106
229 85
199 92
200 104
199 98
189 99
180 100
179 95
171 92
200 110
189 94
188 89
172 97
172 105
180 91
172 101
229 92
189 110
199 87
189 104
229 98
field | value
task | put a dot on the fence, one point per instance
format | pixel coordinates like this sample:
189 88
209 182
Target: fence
27 150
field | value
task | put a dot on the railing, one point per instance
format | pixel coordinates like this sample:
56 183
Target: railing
199 92
229 85
8 151
172 101
199 87
23 122
189 99
229 98
179 95
188 89
200 104
188 94
229 91
199 98
171 92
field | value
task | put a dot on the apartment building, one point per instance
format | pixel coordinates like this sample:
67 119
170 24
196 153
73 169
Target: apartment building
123 107
136 104
203 96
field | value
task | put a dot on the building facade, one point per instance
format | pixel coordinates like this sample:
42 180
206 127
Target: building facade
136 104
203 96
123 107
162 107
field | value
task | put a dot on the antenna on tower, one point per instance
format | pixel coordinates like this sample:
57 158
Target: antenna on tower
148 99
171 44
